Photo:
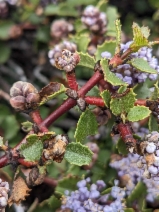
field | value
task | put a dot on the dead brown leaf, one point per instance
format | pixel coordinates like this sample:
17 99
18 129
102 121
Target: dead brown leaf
19 192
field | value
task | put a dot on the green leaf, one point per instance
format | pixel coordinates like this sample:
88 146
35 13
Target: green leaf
5 52
54 203
142 65
129 210
109 76
153 125
5 27
82 42
122 89
108 46
154 3
122 104
106 191
32 150
118 35
50 91
122 147
102 5
78 154
106 97
46 136
155 93
81 2
112 15
138 113
142 90
87 125
27 126
62 9
86 60
10 126
67 183
140 38
43 34
137 194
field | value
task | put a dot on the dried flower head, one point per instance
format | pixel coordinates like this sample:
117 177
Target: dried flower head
94 19
60 28
67 61
56 51
24 96
55 148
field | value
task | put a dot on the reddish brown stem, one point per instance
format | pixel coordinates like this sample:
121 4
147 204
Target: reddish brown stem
90 84
25 163
67 105
104 85
36 117
95 101
4 161
141 102
126 134
50 181
126 54
71 79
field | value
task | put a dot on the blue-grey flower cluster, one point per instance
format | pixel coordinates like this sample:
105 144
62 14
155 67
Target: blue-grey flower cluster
128 73
135 168
91 200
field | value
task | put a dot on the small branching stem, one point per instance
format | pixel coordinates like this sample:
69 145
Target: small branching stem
141 102
94 101
27 164
126 133
36 117
67 105
71 80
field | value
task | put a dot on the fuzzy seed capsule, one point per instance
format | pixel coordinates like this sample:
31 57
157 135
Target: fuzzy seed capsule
24 96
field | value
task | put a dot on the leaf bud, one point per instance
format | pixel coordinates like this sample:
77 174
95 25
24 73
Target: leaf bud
71 93
81 104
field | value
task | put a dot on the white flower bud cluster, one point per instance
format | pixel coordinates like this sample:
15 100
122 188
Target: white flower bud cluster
95 20
67 61
60 28
57 50
4 189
